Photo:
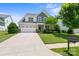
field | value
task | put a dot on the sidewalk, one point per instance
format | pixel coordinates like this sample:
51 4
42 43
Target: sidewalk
61 45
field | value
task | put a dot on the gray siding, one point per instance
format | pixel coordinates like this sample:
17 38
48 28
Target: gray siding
41 17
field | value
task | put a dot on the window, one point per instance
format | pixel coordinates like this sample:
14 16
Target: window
23 19
47 26
30 19
40 19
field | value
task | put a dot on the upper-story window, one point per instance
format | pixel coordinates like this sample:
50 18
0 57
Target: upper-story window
23 19
40 19
30 19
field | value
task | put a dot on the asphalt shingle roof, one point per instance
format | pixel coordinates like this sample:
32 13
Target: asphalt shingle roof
3 16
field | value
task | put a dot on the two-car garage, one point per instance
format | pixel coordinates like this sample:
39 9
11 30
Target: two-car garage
28 28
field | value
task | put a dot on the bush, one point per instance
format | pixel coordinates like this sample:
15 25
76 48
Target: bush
63 31
57 28
47 31
13 28
38 31
70 31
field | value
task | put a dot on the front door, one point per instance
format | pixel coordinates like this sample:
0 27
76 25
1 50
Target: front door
40 27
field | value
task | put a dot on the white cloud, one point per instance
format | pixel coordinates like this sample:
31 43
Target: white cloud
16 18
53 8
51 5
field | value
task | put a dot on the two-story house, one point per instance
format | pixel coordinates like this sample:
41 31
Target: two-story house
30 22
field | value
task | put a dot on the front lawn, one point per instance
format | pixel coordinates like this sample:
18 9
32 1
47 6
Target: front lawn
55 38
4 35
74 51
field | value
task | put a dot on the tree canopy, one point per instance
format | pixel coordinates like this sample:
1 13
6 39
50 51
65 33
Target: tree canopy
70 14
51 21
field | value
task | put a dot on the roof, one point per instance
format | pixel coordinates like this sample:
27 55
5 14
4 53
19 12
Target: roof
3 16
45 12
31 14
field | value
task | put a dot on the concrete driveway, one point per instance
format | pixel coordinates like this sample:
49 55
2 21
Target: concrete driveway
25 44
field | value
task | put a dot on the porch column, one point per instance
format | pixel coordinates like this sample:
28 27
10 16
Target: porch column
36 26
44 26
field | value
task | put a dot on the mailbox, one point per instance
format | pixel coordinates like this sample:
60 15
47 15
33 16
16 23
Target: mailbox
73 39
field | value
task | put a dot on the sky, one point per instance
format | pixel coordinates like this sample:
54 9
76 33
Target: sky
18 10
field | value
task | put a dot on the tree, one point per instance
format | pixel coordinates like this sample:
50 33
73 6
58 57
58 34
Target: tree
57 28
51 21
13 28
70 14
70 31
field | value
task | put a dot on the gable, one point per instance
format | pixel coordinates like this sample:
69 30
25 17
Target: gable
42 14
41 17
3 17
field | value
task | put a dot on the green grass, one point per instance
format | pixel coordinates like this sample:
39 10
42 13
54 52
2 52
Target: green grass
55 38
4 35
74 51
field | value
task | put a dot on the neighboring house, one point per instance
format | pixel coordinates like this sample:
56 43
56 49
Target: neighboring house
30 22
62 26
5 20
65 28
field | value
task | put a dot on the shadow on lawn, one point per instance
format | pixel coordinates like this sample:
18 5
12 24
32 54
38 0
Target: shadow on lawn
64 35
66 51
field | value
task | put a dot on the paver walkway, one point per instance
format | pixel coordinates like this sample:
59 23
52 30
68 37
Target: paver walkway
25 44
61 45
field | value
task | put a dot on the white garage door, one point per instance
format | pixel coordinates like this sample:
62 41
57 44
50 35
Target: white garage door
28 30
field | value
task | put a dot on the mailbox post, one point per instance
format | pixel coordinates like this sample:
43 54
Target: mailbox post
68 45
71 39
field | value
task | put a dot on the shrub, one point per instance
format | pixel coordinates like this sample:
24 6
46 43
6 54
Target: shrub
70 31
57 28
38 31
44 31
63 31
47 31
13 28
